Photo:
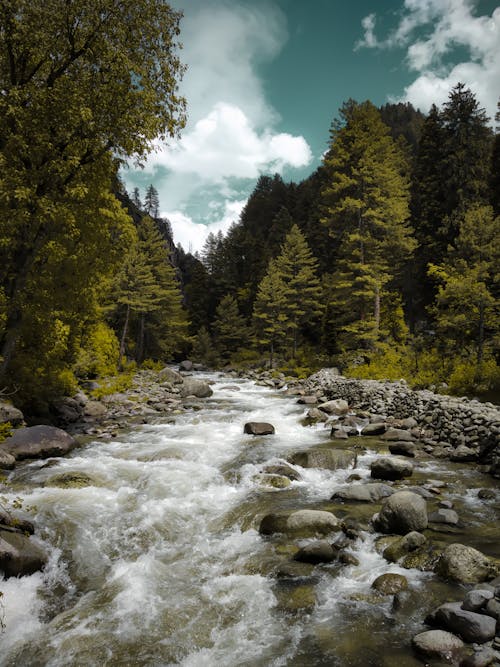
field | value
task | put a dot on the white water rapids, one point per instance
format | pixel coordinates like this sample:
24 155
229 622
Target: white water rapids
159 563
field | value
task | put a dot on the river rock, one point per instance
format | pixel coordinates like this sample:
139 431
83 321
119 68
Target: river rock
377 428
493 608
305 523
395 434
258 428
486 494
390 468
328 459
401 513
487 657
169 375
390 583
438 645
336 407
476 600
8 413
404 545
186 365
94 409
283 470
307 400
67 410
469 625
465 565
38 442
402 448
314 415
443 515
19 555
363 493
7 461
18 523
463 454
70 480
316 552
193 387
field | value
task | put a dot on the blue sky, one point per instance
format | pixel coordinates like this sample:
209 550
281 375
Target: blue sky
266 78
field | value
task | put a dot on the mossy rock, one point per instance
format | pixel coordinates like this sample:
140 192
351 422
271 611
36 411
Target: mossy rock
295 599
422 559
390 583
272 482
71 480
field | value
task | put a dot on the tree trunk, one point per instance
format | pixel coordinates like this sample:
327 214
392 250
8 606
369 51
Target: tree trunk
123 338
376 312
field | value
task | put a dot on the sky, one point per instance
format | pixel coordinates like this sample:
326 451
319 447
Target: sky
266 78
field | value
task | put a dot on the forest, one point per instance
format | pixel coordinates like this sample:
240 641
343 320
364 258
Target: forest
383 262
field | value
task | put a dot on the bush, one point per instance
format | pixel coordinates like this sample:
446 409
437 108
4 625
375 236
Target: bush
98 355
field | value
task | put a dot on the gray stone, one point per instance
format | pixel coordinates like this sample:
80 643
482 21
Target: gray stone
402 448
339 433
486 494
437 644
404 545
483 658
376 428
38 442
402 513
465 565
463 454
314 415
442 515
186 365
316 552
363 493
283 470
7 461
94 409
193 387
493 608
258 428
469 625
390 468
169 375
329 459
8 413
19 555
336 407
390 583
307 400
347 558
395 434
67 410
476 600
300 523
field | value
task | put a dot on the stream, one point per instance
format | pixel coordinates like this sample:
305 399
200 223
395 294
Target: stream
160 562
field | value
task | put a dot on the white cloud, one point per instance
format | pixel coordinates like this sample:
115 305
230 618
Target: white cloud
192 235
431 30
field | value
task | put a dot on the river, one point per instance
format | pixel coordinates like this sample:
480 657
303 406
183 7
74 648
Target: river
160 562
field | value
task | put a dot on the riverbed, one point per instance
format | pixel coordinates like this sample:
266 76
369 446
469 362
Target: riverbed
159 561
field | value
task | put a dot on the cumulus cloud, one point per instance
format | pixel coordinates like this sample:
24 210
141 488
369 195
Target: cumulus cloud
445 42
192 235
232 131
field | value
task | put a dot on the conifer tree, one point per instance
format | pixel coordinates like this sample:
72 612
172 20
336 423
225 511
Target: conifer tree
366 209
269 315
152 202
495 166
230 328
136 198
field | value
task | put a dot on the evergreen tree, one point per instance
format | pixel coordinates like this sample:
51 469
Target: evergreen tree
152 202
269 315
230 329
495 167
136 198
366 209
297 269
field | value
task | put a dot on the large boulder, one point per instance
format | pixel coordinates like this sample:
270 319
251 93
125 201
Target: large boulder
95 409
258 428
303 523
169 375
8 413
336 407
66 410
394 434
401 513
186 365
438 645
402 448
391 468
19 556
377 428
472 627
193 387
404 545
7 461
329 459
37 442
363 493
320 551
390 583
464 564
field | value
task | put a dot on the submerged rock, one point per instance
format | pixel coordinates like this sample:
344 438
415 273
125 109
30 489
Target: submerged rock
283 470
38 442
70 480
402 513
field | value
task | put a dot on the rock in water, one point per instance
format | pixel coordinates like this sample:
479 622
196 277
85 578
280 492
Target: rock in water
193 387
390 583
363 493
37 442
401 513
258 428
316 552
472 627
336 407
437 644
390 468
465 565
304 523
19 556
329 459
7 461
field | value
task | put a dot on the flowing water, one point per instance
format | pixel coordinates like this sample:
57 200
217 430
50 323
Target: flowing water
159 562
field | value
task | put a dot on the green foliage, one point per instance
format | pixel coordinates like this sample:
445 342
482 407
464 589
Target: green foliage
98 355
204 350
230 329
115 384
5 431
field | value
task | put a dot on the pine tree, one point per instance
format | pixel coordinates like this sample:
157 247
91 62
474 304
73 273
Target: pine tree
269 315
230 329
136 198
495 167
152 202
366 209
297 268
